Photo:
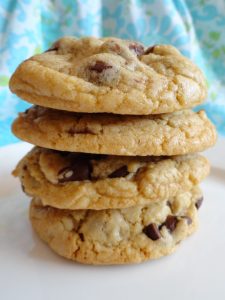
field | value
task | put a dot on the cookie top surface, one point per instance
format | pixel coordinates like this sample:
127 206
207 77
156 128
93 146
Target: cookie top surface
83 181
167 134
112 236
110 75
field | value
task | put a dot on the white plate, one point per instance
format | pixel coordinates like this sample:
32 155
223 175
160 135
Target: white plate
30 270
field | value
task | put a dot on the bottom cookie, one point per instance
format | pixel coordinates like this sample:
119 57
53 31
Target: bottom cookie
117 236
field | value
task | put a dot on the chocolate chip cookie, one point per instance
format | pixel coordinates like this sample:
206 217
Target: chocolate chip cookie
83 181
121 185
167 134
117 236
110 75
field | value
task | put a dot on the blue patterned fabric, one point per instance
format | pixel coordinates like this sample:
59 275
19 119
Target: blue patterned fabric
196 27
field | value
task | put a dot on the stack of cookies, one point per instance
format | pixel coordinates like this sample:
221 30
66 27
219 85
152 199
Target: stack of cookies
114 174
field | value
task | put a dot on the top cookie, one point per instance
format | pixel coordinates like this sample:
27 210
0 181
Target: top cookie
110 75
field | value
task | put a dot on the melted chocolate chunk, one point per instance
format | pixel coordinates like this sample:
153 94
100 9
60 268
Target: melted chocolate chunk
103 73
79 170
115 47
51 49
152 232
26 111
81 236
149 50
99 66
121 172
54 47
137 48
170 223
198 203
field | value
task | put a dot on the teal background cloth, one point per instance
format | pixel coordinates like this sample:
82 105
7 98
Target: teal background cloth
195 27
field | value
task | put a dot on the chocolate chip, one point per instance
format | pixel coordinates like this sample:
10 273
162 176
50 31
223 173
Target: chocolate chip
51 49
137 48
81 237
121 172
79 170
152 232
99 66
54 47
150 50
170 223
188 219
103 74
114 47
198 203
25 167
26 111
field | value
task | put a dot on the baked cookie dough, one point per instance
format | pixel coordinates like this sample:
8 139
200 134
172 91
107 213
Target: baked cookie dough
83 181
110 75
167 134
117 236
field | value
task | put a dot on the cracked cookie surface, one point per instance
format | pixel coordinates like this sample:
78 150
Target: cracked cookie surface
117 236
168 134
85 181
110 75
